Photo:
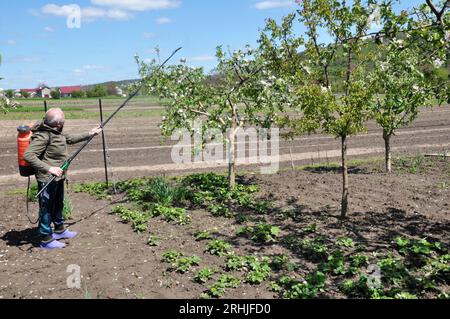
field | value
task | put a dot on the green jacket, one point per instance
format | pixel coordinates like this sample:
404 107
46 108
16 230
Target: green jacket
48 148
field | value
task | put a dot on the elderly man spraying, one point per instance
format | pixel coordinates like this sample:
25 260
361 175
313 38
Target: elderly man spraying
46 153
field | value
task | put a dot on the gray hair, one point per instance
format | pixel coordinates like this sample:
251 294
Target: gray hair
53 118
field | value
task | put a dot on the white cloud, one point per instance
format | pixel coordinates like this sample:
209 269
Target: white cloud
93 67
274 4
138 5
118 14
11 42
49 29
201 58
163 20
60 11
87 13
88 67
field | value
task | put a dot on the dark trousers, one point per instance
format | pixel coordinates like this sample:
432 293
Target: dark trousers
51 205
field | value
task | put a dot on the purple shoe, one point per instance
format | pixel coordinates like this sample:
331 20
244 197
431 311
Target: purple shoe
54 244
67 234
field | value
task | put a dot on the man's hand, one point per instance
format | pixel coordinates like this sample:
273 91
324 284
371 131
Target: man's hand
56 171
95 131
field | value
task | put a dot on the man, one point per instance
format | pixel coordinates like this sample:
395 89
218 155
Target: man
46 153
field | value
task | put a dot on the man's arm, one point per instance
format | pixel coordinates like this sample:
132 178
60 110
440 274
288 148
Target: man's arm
37 146
74 139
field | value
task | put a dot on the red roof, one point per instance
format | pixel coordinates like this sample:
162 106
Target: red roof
69 89
29 90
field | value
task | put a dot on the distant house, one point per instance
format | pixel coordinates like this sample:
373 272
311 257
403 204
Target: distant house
32 92
66 91
17 94
119 92
43 92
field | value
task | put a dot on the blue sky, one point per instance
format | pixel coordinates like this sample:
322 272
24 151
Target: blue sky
37 46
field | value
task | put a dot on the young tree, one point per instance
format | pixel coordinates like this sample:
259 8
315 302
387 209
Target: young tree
55 94
402 89
328 96
9 94
77 94
413 47
25 94
97 91
244 94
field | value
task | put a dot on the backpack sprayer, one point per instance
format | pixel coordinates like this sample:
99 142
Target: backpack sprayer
25 136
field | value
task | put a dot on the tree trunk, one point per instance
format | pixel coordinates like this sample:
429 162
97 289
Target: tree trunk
387 146
231 163
232 155
344 201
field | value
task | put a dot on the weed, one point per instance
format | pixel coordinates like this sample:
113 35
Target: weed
154 241
67 209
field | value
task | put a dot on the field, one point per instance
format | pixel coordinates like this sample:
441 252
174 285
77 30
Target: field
290 217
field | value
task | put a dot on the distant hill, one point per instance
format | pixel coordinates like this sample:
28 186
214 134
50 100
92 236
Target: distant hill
122 84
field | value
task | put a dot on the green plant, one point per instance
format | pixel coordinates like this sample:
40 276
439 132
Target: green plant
219 288
184 264
171 256
204 275
97 190
220 210
218 247
259 271
345 242
177 215
307 289
138 219
234 262
67 209
203 235
262 232
314 249
55 94
335 263
310 229
356 262
393 271
405 295
279 262
154 241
